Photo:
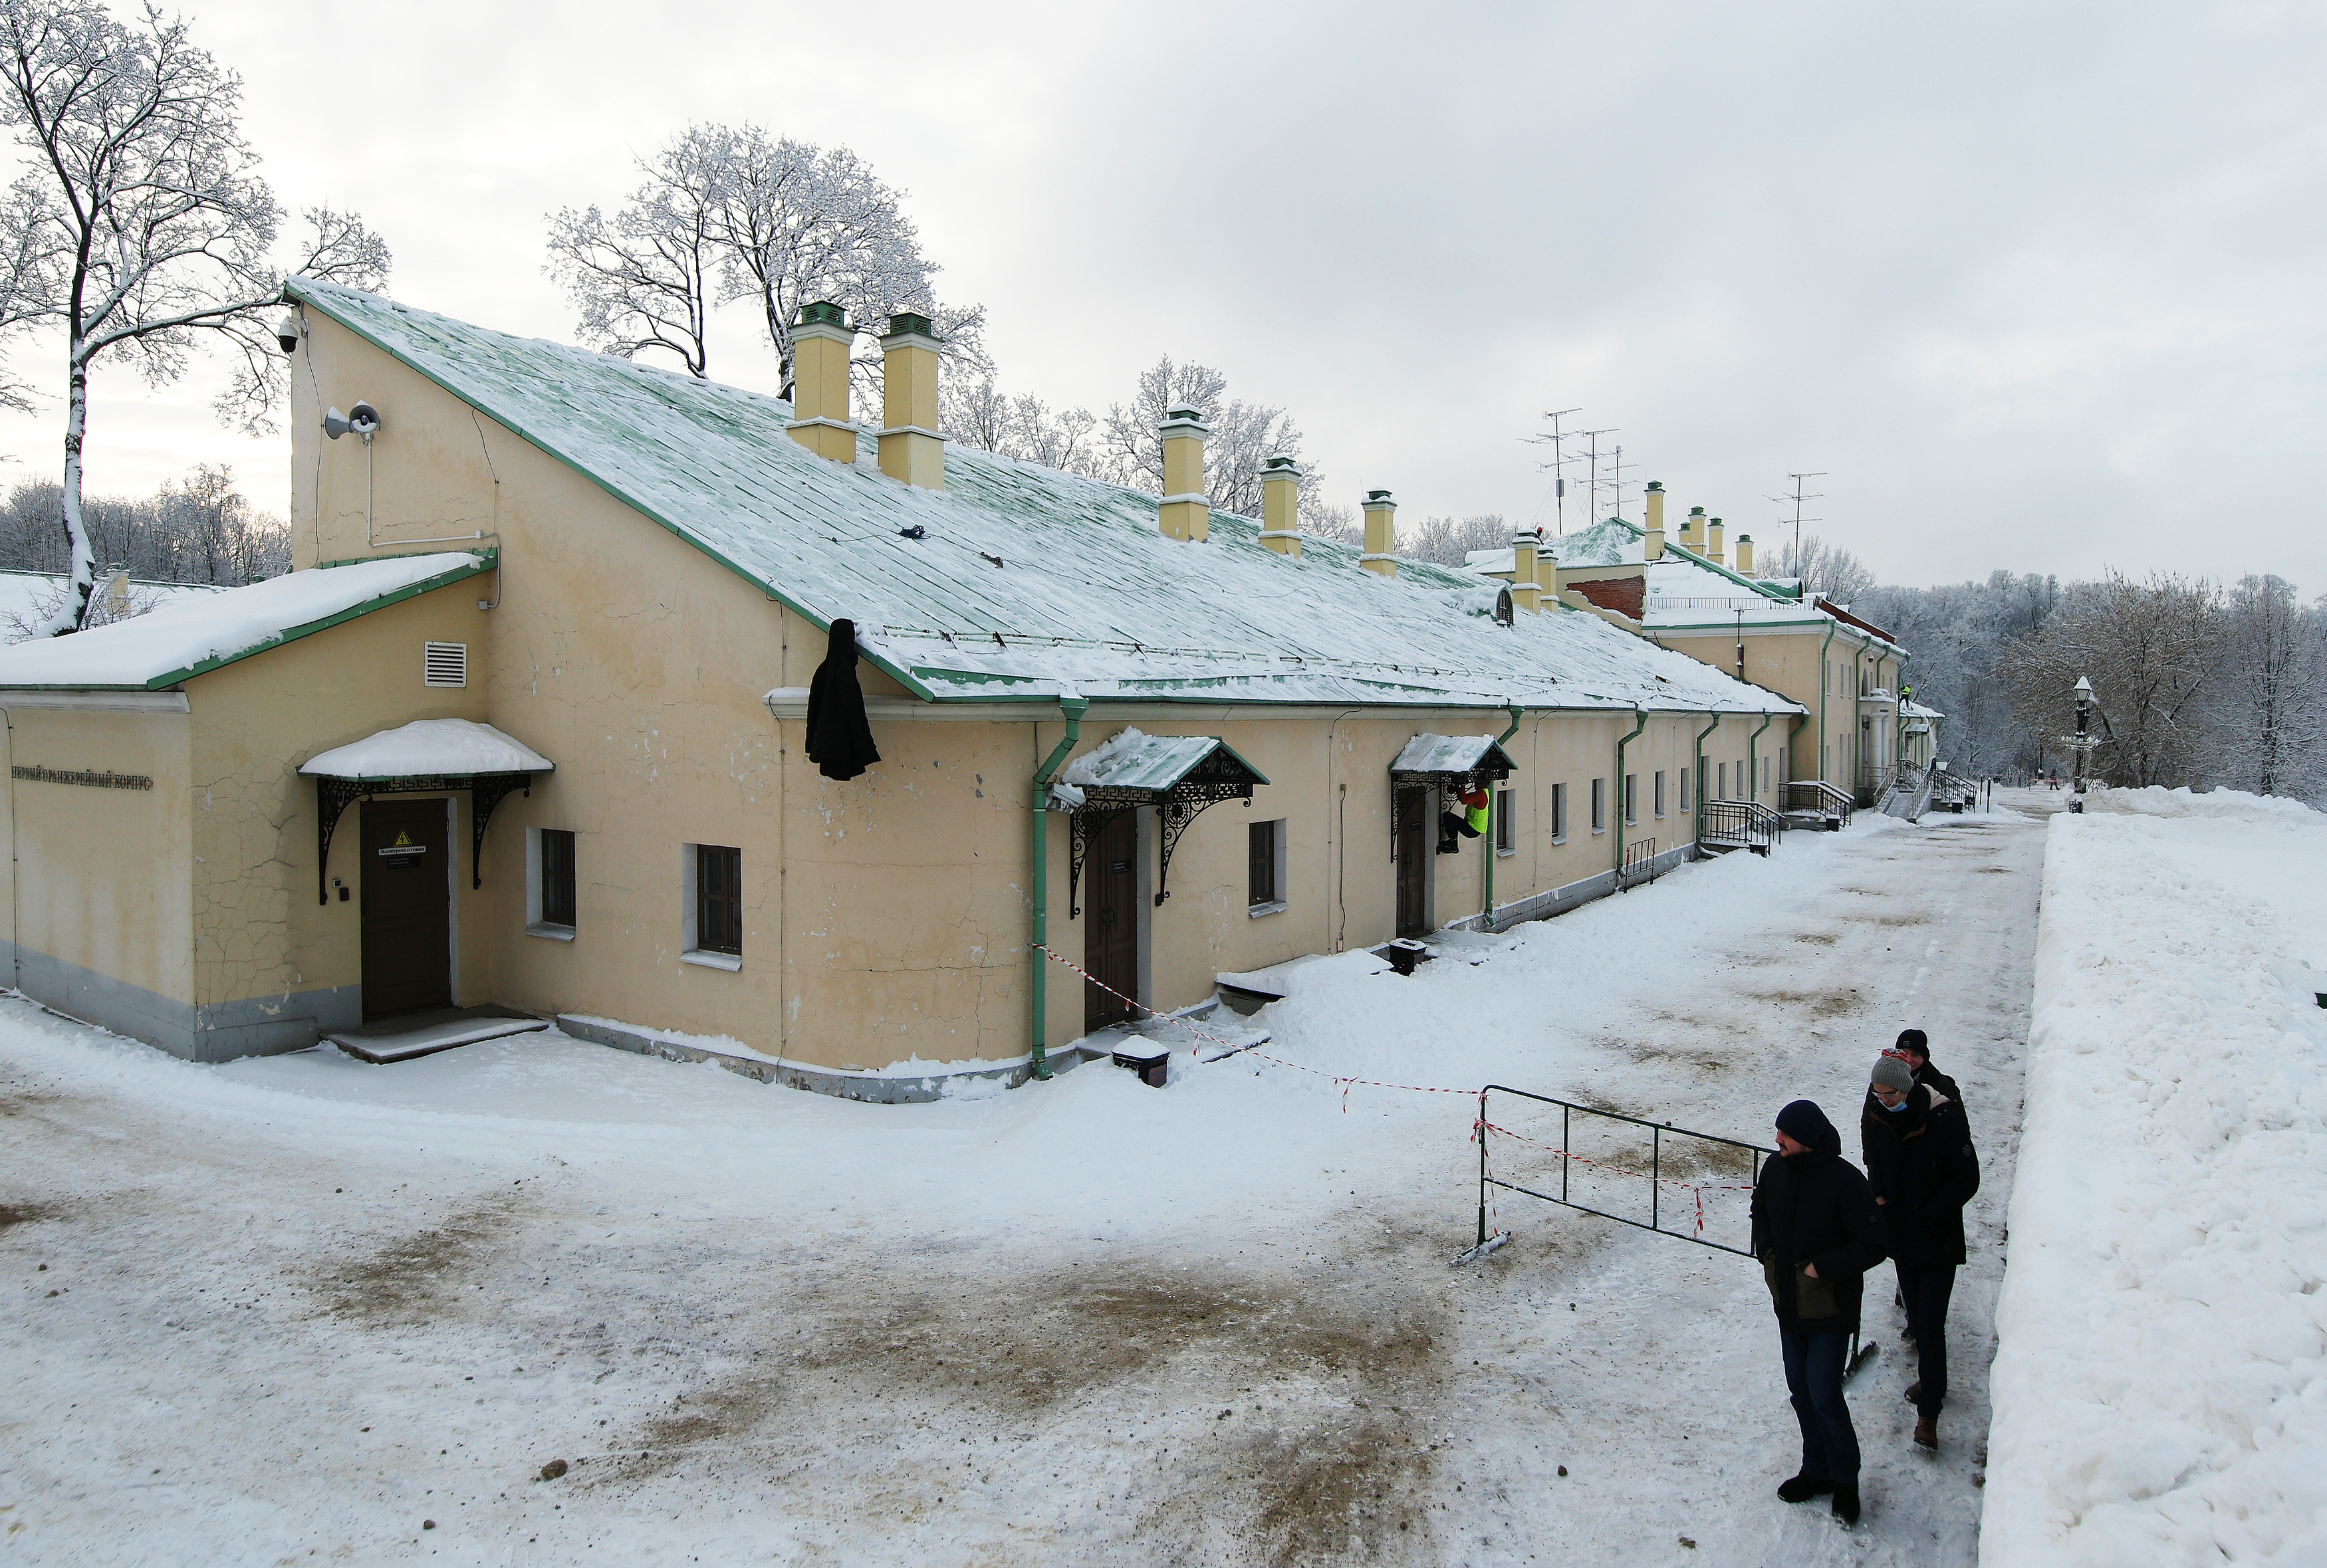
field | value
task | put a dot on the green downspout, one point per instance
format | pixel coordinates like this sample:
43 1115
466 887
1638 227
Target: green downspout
1708 729
1037 955
1487 915
1753 761
1825 680
1640 723
1899 658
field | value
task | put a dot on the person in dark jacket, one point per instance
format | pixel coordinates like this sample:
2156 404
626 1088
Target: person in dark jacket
1914 1048
839 737
1922 1169
1816 1231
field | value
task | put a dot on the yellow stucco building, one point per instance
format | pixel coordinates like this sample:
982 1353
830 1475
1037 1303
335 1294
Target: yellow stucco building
526 727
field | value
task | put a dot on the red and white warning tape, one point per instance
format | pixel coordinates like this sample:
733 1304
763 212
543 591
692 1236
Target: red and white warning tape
1698 1189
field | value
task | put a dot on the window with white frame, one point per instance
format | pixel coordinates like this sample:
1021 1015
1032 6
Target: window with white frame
1507 837
1559 814
1599 806
1631 797
1683 788
1657 796
1264 880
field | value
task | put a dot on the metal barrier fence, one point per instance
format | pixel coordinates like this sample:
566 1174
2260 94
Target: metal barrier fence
1606 1158
1640 864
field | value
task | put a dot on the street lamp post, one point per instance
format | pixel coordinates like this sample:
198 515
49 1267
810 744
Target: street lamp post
2081 743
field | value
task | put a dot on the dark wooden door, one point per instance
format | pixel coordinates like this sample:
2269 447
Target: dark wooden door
1111 920
1414 829
408 906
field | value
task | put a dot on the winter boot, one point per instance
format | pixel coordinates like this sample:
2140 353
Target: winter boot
1845 1504
1915 1392
1927 1431
1803 1488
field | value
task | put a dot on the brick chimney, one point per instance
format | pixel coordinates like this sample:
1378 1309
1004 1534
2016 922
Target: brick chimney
910 447
1712 542
1380 538
1692 529
1746 554
1527 586
1183 513
821 421
1280 507
1652 541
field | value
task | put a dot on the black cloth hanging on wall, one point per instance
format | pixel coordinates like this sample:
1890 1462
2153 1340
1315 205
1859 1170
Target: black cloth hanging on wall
839 739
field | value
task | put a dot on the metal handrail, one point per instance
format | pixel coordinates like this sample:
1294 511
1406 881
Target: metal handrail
1826 798
1748 824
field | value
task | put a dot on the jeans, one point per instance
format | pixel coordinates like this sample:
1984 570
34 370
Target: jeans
1814 1367
1925 1287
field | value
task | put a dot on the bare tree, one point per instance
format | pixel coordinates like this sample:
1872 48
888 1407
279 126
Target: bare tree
2269 722
1244 436
2148 648
644 279
1447 542
1821 568
140 222
1327 521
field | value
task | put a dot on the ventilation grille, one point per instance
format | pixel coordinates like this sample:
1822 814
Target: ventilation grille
444 664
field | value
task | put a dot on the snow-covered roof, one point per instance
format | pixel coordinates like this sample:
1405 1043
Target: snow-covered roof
198 633
1026 584
27 598
1915 710
1131 760
428 748
1429 753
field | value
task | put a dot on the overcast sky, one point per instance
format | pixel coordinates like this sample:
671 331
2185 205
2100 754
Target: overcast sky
2040 287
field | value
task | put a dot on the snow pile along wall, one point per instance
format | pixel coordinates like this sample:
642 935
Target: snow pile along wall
2159 1387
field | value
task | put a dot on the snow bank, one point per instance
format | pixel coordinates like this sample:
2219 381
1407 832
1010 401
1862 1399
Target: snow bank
2160 1390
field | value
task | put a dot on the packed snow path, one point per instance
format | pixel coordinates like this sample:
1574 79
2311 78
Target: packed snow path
293 1309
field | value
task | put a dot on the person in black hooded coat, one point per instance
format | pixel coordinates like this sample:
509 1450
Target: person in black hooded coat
839 737
1815 1233
1923 1170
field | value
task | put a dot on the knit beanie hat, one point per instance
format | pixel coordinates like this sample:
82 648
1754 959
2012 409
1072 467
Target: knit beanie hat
1891 1073
1804 1123
1914 1040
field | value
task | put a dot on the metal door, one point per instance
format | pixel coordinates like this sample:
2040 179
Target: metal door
1111 921
408 906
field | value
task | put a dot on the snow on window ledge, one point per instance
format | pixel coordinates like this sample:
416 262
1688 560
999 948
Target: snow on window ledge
1506 853
711 960
555 933
1274 908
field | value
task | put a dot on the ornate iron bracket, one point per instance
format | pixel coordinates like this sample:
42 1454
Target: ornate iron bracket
1082 829
486 790
1173 817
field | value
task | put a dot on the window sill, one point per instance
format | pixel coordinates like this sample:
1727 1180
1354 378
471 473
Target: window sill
1558 841
710 960
555 933
1598 831
1505 853
1257 911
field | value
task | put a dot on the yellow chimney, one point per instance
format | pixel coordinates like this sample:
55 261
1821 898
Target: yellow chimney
1183 513
1746 554
1380 538
1713 540
1652 541
1280 507
820 342
910 447
1692 529
1527 587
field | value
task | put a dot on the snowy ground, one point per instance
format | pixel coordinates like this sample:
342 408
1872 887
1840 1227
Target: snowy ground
2163 1378
290 1308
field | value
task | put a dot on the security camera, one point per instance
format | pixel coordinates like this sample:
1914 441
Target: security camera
287 333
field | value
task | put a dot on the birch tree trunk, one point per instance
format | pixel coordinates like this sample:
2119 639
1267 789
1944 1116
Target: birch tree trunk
82 561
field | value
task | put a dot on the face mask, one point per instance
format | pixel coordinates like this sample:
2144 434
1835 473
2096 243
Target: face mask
1894 1110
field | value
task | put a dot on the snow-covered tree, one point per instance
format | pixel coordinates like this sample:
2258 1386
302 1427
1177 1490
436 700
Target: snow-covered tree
2149 648
1244 436
140 225
1822 568
2269 700
1448 540
646 277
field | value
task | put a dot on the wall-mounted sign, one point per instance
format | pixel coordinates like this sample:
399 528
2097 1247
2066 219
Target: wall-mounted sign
107 780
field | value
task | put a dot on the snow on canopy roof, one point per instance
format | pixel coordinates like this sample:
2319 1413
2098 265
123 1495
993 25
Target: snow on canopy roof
198 633
1086 595
1915 710
428 748
1428 754
1131 760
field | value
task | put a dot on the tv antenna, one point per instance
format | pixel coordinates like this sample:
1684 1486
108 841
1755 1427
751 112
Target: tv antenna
1616 483
1591 456
1798 499
1559 464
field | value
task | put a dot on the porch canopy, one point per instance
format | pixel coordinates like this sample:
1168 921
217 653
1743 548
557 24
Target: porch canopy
1454 764
425 757
1179 775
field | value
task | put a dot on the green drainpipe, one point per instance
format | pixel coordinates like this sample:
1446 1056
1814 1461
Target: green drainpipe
1753 761
1899 723
1713 724
1640 723
1039 977
1487 915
